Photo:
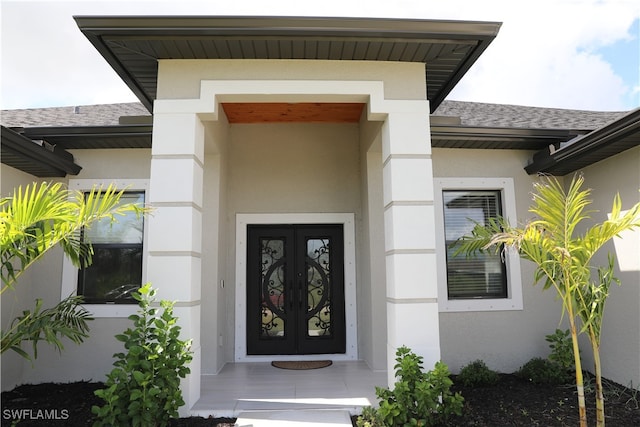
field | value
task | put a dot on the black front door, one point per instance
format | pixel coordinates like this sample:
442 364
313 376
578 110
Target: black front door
295 289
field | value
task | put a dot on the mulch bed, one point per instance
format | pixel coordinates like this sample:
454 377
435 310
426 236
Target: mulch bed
517 402
511 402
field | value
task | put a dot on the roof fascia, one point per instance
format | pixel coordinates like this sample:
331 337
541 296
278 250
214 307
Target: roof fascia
62 161
280 25
501 132
101 46
510 138
461 71
62 131
586 144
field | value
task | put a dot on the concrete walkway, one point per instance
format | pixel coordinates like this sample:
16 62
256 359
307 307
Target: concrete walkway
259 388
301 418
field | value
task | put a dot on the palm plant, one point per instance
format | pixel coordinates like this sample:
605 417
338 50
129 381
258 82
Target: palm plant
563 260
67 319
33 221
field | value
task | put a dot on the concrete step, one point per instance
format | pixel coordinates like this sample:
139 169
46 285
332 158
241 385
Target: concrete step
301 418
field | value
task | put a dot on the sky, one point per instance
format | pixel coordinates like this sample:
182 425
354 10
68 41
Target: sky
576 54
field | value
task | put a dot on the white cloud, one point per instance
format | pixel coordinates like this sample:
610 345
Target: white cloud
544 56
545 53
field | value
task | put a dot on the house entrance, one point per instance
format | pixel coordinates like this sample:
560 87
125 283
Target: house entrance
295 289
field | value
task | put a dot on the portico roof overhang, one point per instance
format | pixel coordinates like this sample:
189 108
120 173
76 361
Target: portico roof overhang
133 45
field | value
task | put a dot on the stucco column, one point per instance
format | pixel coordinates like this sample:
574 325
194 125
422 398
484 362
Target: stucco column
412 305
175 227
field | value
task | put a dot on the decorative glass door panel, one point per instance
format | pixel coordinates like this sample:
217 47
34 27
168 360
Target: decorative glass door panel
318 287
295 289
272 310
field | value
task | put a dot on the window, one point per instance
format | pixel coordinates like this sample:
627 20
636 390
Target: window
85 283
485 281
116 269
484 275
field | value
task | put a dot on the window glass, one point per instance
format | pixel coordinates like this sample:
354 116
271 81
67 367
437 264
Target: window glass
482 275
116 270
126 229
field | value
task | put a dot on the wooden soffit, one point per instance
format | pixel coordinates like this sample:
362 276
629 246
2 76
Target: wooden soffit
301 112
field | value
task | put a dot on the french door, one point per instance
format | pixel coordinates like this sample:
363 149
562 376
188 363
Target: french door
295 289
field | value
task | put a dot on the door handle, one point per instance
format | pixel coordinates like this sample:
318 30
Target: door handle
290 296
300 295
300 284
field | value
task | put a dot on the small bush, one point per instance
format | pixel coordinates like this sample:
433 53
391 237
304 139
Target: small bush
477 373
543 371
144 387
369 418
418 398
561 348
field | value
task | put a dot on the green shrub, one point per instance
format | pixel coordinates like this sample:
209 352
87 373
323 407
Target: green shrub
543 371
477 373
561 348
369 418
144 387
418 398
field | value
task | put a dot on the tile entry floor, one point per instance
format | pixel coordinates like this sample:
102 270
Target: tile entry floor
246 387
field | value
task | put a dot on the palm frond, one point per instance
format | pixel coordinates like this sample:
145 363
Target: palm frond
618 222
39 217
68 319
558 211
481 238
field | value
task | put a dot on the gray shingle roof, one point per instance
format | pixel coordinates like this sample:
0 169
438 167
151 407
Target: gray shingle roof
517 116
84 115
471 114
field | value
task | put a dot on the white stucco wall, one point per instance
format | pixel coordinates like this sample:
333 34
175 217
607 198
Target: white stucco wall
620 346
372 287
294 168
91 360
133 163
20 298
504 340
217 289
11 178
180 79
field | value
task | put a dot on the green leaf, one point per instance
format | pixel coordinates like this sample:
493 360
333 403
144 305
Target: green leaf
121 337
135 394
136 350
138 376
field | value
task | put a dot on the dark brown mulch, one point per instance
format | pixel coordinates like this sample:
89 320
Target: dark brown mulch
511 402
517 402
69 405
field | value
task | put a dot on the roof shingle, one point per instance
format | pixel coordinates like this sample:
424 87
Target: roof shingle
471 114
517 116
84 115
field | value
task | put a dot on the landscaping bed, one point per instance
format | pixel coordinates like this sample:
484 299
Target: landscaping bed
510 402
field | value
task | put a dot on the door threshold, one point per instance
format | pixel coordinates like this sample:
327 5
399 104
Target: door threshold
294 357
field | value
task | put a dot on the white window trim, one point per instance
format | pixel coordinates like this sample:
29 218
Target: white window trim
512 259
70 272
348 221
